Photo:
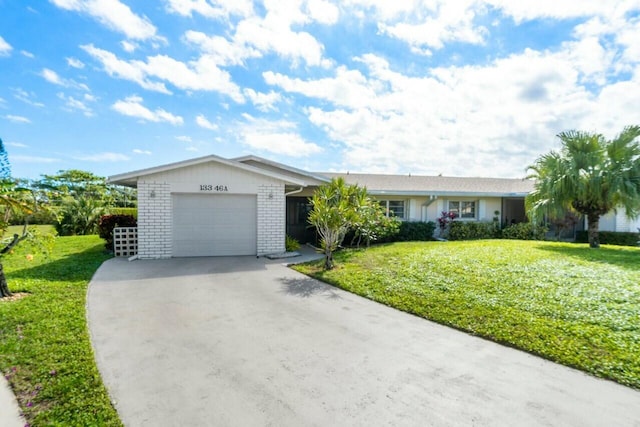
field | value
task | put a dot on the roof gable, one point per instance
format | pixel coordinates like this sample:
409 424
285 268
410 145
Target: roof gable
130 179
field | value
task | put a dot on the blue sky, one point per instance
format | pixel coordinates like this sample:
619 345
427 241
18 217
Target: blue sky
465 88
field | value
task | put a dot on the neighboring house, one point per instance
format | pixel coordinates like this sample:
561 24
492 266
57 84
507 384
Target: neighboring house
211 206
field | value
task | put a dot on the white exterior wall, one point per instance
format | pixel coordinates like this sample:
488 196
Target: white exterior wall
155 210
154 219
271 219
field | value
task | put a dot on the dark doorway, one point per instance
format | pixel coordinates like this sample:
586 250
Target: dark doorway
298 209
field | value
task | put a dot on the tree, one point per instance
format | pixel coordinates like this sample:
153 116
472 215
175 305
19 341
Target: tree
9 202
333 214
589 175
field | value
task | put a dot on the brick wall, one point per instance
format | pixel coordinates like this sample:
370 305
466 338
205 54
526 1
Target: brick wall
271 219
154 220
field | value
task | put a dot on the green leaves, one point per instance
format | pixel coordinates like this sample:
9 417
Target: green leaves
590 174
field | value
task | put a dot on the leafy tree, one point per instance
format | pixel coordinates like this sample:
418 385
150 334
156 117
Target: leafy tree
9 203
333 214
589 175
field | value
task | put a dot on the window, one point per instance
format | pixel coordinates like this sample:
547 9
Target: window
393 207
463 210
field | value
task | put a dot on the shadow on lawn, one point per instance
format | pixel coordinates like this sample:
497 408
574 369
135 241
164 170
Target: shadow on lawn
629 259
74 266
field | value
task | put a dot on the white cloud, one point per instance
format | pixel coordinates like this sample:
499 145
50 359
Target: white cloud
17 119
533 9
323 11
202 74
115 15
203 122
27 54
128 46
16 144
460 120
5 48
33 159
263 101
211 9
132 107
75 63
132 71
139 151
27 97
278 137
184 138
53 77
104 157
73 104
448 22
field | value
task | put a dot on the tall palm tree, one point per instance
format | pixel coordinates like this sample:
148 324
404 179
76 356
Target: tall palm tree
589 175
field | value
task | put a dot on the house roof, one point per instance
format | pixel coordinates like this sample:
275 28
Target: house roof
130 179
437 185
259 162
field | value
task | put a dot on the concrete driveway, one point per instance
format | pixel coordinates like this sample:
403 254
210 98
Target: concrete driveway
249 342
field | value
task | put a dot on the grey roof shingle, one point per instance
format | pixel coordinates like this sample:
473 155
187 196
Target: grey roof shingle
438 185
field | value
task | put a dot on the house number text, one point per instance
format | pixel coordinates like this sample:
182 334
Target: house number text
209 187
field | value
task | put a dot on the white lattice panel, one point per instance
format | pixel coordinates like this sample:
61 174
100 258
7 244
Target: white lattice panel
125 241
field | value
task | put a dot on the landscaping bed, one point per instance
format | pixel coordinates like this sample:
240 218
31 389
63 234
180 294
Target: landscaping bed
565 302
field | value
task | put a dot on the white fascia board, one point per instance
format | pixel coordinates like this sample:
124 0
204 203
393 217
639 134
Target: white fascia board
281 166
390 193
129 177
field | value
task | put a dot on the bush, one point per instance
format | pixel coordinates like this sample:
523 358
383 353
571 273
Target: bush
459 230
39 217
124 211
108 222
291 244
524 231
412 231
79 216
618 238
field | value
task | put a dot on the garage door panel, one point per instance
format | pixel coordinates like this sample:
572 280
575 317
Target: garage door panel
214 225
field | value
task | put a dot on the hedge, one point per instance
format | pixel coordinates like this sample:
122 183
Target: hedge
124 211
618 238
413 231
108 222
460 230
524 231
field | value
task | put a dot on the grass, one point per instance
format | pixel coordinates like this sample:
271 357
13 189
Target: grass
17 229
565 302
44 343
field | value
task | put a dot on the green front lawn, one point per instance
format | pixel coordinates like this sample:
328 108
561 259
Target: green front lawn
44 343
566 302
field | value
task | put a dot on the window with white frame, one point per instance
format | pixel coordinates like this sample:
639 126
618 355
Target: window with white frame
393 207
463 209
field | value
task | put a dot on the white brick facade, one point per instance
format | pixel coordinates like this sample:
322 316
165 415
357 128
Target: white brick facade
271 219
154 220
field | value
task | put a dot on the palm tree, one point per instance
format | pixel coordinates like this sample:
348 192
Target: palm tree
589 175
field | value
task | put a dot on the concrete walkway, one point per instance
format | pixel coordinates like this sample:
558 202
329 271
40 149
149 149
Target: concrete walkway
9 409
246 341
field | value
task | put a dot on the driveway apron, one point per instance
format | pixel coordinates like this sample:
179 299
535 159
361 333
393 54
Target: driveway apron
242 341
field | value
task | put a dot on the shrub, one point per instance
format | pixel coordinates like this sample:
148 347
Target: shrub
459 230
524 231
108 222
291 244
618 238
124 211
79 216
412 231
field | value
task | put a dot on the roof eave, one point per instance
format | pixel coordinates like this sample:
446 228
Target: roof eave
129 178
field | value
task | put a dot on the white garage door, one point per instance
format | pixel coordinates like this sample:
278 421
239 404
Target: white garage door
214 225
